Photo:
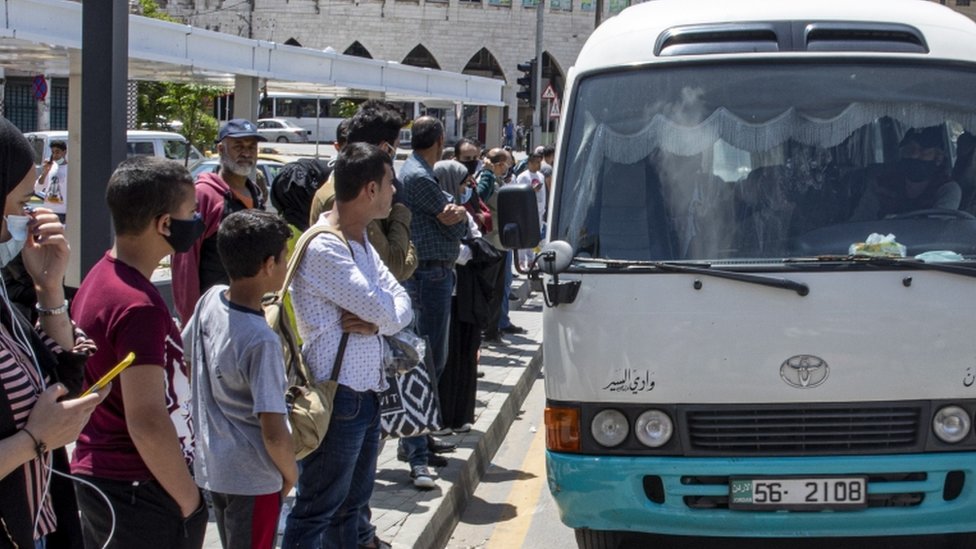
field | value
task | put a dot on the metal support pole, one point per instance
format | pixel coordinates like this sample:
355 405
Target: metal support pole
104 63
536 120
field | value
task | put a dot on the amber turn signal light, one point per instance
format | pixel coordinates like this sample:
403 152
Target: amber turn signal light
562 429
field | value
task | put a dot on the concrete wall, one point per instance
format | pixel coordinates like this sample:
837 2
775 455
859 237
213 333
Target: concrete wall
965 7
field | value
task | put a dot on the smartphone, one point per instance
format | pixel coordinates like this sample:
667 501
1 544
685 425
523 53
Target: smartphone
112 374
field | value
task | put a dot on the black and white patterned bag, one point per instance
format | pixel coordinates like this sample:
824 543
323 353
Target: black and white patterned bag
410 407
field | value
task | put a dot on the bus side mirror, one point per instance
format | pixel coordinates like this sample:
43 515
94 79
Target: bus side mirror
555 257
518 217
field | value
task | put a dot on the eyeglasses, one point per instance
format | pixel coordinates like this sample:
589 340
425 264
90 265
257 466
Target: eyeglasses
389 150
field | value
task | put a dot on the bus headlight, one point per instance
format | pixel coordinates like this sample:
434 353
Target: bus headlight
654 428
951 424
609 428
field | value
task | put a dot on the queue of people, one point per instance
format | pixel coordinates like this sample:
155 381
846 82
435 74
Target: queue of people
200 414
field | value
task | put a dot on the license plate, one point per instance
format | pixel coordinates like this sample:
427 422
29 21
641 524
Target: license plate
798 494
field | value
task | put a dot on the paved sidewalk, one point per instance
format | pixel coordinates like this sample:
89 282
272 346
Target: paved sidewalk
410 518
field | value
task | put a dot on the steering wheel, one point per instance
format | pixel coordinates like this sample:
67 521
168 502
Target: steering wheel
933 212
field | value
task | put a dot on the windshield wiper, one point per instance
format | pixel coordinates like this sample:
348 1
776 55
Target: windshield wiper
706 269
945 267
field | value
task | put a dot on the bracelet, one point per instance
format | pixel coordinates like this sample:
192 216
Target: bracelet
39 446
53 311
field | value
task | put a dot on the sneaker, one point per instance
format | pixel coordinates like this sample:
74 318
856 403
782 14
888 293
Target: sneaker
442 433
463 429
433 459
513 329
439 446
422 478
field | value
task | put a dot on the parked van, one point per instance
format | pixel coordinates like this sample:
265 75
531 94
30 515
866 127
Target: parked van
138 143
761 273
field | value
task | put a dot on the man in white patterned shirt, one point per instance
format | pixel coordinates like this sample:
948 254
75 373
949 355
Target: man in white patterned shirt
337 289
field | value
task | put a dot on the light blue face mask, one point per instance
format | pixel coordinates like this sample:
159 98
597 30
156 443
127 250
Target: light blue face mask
466 195
17 227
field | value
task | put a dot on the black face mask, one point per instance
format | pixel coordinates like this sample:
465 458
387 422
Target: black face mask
471 165
919 170
184 232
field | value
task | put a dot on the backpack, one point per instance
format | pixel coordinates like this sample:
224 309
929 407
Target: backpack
521 166
309 403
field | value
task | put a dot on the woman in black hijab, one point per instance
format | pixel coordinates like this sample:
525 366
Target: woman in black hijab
35 369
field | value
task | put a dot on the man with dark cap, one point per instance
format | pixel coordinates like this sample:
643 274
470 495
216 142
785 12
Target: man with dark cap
218 195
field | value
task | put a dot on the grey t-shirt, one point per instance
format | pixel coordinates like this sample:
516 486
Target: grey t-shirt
242 375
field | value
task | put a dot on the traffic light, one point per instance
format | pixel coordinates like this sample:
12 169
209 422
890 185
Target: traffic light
527 82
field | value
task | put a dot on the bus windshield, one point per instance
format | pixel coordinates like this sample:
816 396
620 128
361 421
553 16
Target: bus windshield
718 163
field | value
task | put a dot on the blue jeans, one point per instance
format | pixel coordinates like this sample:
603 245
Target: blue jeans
430 292
503 320
336 480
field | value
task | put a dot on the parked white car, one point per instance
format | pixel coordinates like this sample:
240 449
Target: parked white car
138 143
282 131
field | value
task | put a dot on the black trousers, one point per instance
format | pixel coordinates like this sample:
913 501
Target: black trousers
459 382
146 517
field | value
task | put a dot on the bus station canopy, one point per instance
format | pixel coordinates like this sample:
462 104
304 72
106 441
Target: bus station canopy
37 36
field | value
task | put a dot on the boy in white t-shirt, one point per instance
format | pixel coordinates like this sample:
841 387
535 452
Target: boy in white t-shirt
52 185
534 178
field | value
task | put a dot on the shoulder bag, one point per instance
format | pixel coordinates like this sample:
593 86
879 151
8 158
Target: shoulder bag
309 403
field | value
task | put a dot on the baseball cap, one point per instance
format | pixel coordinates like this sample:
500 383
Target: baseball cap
239 127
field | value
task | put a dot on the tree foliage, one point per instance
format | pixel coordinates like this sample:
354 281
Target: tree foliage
347 107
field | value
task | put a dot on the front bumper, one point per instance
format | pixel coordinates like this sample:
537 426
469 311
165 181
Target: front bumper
613 493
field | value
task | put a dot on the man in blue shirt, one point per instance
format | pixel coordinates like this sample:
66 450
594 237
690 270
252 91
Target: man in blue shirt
437 227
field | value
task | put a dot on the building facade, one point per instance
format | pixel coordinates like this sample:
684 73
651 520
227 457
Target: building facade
480 37
484 38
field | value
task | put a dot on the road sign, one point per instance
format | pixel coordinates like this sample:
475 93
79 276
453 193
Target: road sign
554 109
39 87
549 93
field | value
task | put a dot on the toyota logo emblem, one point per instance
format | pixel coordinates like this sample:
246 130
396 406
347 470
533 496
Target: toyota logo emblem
804 371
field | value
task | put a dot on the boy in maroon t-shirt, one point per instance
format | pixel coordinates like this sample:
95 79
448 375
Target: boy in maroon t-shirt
138 445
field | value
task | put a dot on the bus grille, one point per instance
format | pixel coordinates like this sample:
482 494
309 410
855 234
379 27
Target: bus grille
807 429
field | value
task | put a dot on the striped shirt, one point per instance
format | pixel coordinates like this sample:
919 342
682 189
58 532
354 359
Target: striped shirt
22 383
